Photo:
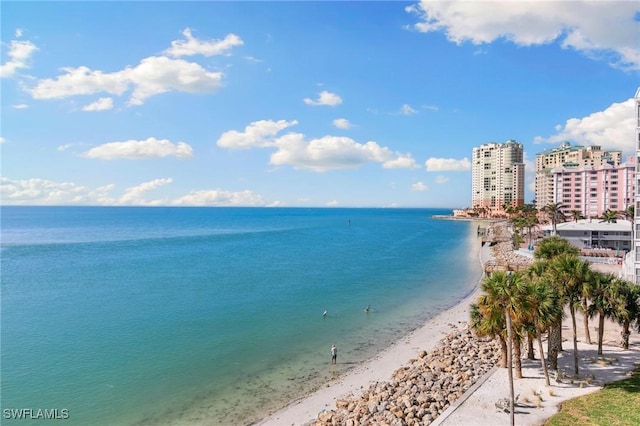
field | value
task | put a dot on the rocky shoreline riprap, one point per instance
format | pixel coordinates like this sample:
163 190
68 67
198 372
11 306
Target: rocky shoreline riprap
422 390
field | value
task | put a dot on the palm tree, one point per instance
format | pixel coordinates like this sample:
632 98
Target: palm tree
488 320
629 214
548 249
586 289
551 247
629 312
569 274
504 291
555 213
605 301
609 216
545 306
576 215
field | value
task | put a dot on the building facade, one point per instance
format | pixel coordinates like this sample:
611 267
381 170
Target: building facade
636 232
594 234
497 177
594 190
570 164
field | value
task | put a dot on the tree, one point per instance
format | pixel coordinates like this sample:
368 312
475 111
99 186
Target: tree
605 301
545 307
569 274
551 247
628 313
576 215
504 292
630 215
548 249
555 213
609 216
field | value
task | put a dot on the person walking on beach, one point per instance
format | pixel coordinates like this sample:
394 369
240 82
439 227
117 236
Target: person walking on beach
334 354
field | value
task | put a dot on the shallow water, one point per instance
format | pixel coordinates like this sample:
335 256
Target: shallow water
194 315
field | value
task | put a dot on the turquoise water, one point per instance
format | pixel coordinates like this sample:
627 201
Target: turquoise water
147 316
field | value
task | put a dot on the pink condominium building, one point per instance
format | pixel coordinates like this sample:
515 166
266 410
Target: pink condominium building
585 179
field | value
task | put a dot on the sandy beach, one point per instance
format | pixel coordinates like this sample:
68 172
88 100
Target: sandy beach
536 401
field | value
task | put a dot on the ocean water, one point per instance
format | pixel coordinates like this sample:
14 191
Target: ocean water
159 316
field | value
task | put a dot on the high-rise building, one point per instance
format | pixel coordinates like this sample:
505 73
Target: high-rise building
567 159
636 230
497 177
592 190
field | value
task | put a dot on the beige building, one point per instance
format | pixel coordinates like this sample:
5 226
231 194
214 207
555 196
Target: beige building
497 177
567 159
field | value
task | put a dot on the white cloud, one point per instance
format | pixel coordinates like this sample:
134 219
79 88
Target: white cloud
407 110
332 203
613 128
152 76
324 98
101 104
2 140
46 192
342 123
135 195
18 33
585 26
321 154
441 179
257 134
419 187
447 165
136 150
431 107
82 81
216 197
19 53
192 46
64 147
20 106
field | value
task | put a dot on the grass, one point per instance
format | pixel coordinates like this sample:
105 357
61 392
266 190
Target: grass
617 404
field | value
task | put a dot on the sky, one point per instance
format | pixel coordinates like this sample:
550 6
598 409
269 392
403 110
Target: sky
301 104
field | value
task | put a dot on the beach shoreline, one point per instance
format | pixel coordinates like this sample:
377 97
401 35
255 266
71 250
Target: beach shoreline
381 367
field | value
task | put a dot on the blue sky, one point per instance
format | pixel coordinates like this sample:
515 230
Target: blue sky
345 104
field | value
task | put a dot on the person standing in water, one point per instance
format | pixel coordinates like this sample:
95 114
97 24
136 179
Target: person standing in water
334 354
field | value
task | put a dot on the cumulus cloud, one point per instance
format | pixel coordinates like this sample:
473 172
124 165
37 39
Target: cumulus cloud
150 77
217 197
407 110
613 128
192 46
137 150
419 187
19 53
584 26
441 179
47 192
101 104
320 154
324 98
257 134
448 165
342 123
135 195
